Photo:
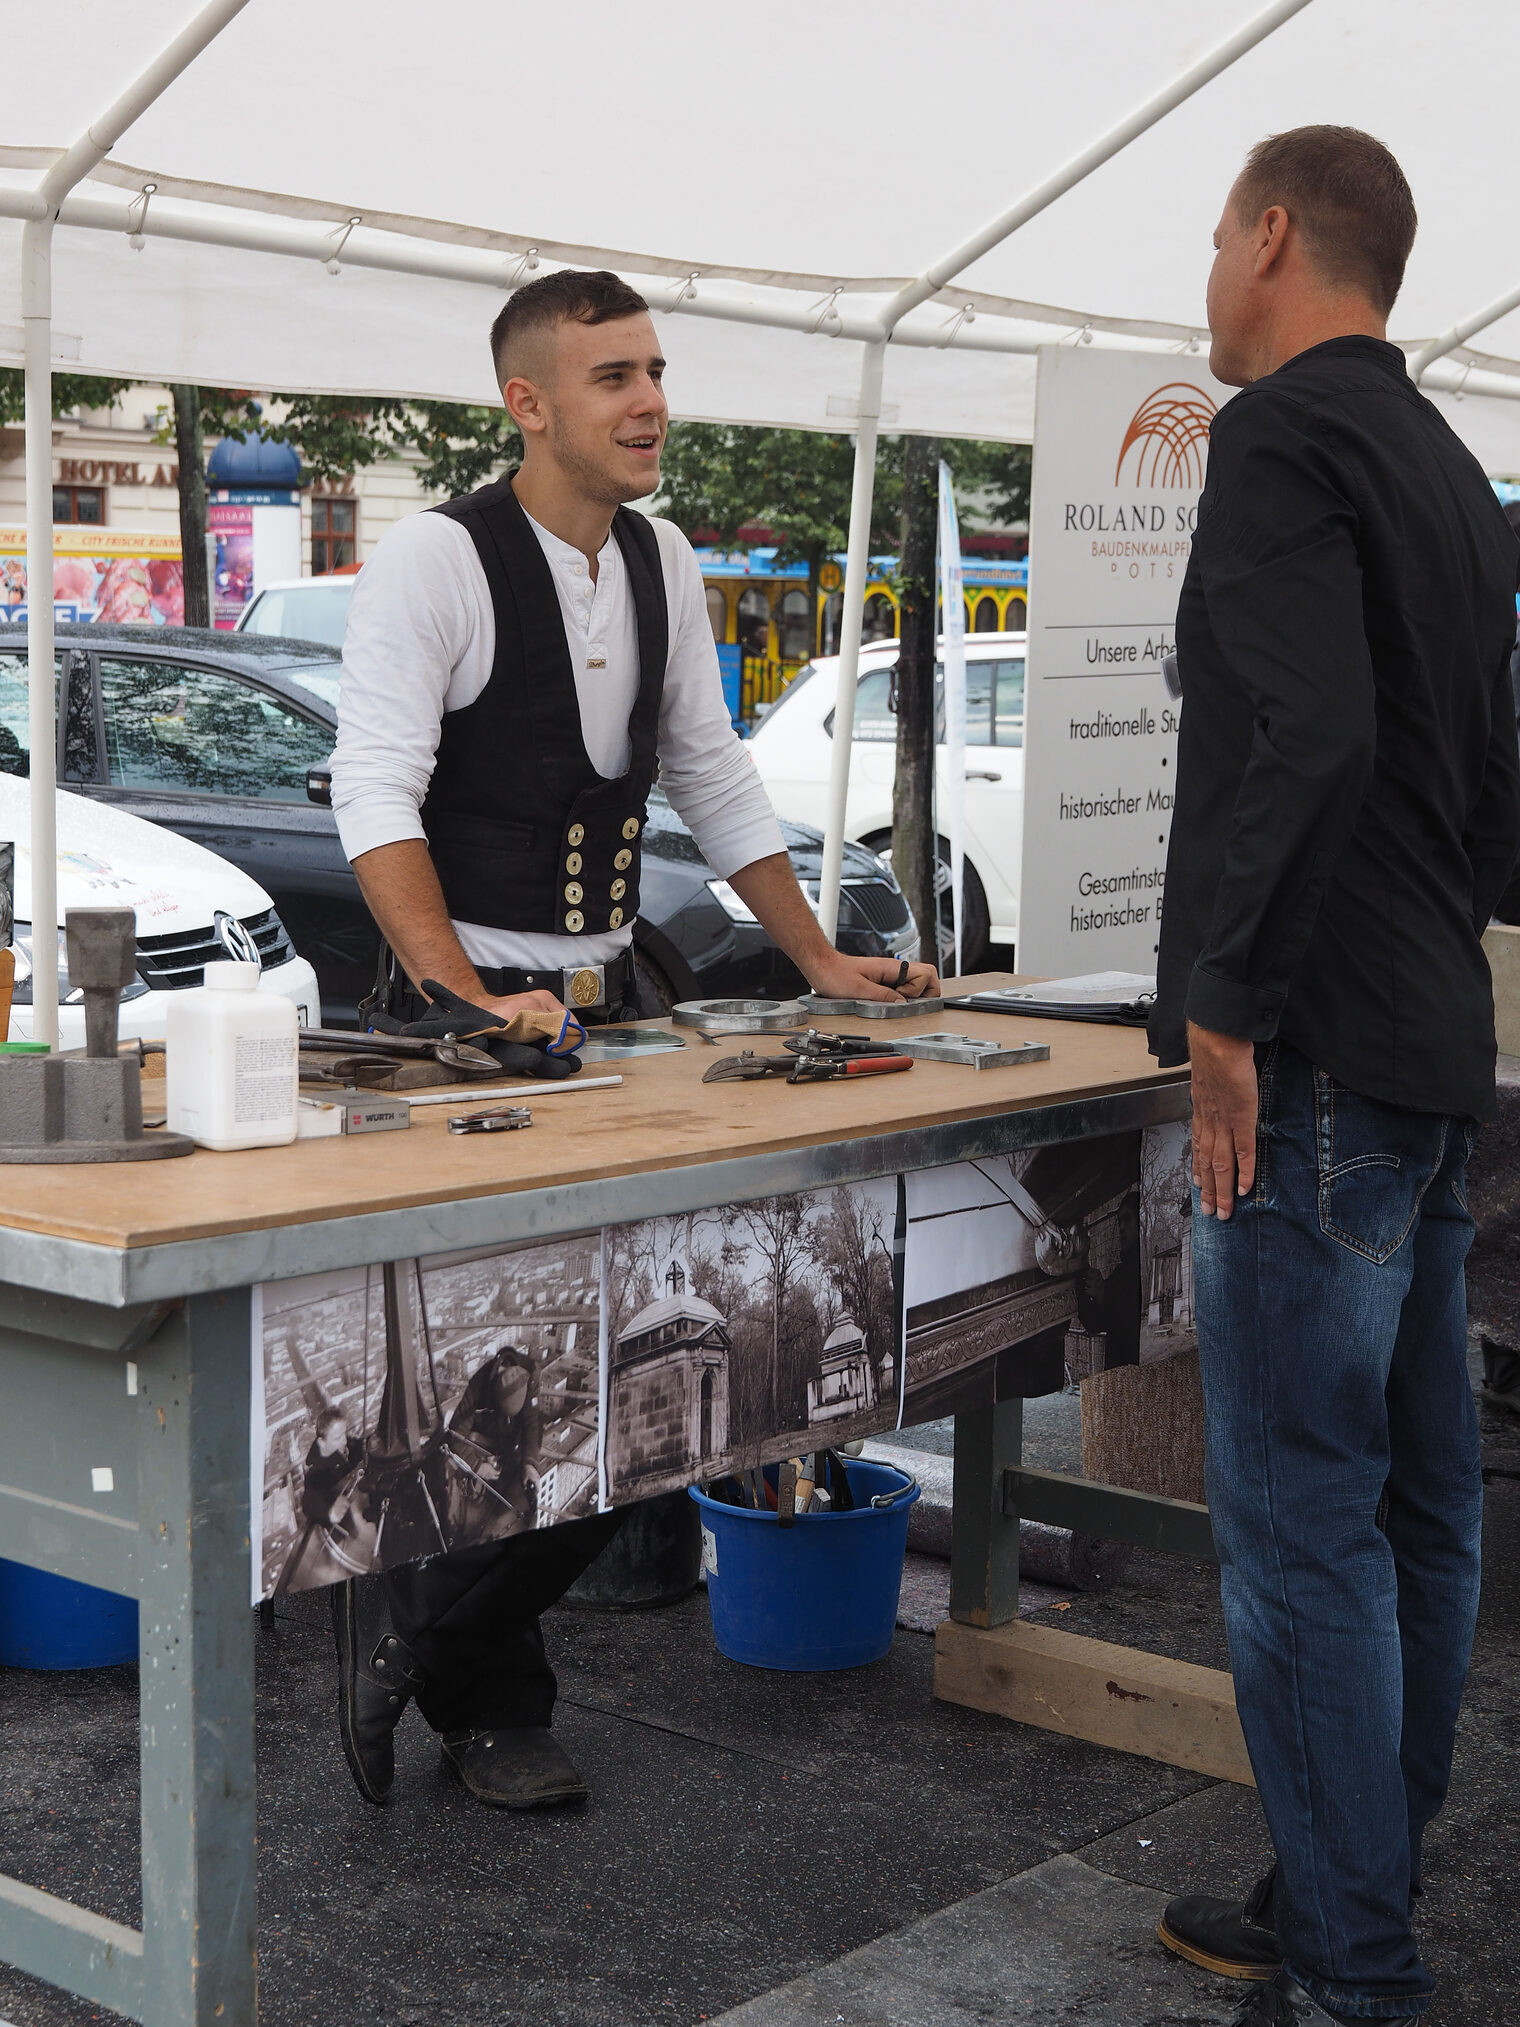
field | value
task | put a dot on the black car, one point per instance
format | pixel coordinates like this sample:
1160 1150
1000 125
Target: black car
213 735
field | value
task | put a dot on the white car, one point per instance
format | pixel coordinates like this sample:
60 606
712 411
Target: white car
793 743
193 909
301 608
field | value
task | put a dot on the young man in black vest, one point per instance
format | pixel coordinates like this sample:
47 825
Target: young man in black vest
517 663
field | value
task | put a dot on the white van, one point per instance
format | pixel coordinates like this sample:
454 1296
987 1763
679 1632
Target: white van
793 743
193 909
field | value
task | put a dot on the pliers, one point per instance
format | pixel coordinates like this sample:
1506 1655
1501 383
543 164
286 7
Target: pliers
800 1069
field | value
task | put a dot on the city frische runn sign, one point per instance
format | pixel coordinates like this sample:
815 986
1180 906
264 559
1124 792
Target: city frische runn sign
1121 448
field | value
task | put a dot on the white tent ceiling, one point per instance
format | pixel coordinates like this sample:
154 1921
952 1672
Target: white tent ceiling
777 155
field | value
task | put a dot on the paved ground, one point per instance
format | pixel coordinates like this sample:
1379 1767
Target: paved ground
802 1849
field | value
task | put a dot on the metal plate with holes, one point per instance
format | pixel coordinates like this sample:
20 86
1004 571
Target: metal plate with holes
970 1050
740 1016
872 1009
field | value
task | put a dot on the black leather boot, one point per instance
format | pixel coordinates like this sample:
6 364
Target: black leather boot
1222 1936
1285 2003
516 1767
377 1678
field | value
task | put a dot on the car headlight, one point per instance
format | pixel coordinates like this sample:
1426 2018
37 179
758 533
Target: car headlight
26 963
736 909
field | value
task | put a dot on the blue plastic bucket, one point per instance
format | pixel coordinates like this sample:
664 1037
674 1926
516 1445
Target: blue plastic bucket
821 1593
53 1622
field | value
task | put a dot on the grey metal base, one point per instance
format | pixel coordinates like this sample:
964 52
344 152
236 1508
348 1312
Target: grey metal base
157 1145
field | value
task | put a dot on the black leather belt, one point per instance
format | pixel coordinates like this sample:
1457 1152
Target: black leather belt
594 993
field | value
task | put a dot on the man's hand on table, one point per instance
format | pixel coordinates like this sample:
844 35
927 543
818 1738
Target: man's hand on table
516 1003
1224 1118
832 975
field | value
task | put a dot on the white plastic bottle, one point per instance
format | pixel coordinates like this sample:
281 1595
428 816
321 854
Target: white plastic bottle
232 1065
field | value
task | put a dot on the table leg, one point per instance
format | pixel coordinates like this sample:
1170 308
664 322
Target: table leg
196 1652
984 1543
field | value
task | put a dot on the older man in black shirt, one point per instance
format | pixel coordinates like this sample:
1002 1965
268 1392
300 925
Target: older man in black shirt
1347 815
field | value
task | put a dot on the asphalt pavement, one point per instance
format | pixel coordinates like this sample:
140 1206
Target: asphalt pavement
769 1849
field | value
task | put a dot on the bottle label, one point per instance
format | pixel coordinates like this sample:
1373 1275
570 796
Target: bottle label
263 1073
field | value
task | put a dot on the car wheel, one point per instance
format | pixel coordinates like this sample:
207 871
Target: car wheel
652 989
976 919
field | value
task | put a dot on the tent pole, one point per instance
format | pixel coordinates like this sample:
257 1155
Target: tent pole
1460 333
857 565
93 145
1082 166
37 324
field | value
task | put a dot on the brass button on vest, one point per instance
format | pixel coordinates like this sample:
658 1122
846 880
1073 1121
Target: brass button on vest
619 889
623 860
573 891
575 921
573 863
631 828
576 835
615 919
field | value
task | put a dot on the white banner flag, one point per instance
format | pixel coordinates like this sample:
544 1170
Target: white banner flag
953 624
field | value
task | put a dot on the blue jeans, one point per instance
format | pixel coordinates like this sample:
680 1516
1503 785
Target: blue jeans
1346 1496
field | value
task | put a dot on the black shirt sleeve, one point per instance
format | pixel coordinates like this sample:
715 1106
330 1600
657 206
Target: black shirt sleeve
1278 564
1492 834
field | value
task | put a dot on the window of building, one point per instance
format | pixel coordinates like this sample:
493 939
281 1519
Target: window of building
198 732
81 506
717 612
334 535
985 618
1017 618
755 621
792 624
833 612
880 618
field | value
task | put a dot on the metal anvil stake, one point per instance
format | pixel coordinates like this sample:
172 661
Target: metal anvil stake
85 1108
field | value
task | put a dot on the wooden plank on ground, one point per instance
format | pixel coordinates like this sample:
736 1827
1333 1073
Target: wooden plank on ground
1116 1696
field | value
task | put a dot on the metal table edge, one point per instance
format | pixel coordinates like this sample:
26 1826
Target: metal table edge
117 1276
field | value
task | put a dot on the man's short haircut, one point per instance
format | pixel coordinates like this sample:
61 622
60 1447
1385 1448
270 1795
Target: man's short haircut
1347 196
574 295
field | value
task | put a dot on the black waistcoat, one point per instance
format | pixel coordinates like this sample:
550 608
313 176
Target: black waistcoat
523 831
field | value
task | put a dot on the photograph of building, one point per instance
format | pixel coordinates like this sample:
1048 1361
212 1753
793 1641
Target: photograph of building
737 1333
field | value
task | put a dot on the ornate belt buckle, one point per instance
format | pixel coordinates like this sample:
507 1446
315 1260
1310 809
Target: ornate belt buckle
585 986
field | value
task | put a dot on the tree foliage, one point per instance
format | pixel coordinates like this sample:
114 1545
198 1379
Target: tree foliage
70 391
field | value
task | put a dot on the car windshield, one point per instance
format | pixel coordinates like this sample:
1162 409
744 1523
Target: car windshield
302 612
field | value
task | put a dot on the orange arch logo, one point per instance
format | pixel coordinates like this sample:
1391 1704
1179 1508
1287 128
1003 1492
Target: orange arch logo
1169 434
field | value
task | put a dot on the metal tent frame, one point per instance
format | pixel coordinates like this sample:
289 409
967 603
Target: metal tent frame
53 202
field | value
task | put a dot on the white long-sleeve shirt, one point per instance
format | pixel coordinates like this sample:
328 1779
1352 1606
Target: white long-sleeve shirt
421 640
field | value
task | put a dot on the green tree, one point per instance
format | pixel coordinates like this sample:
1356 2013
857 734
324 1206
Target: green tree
718 478
70 391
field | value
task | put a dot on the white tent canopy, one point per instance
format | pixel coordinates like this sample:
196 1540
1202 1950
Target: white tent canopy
774 182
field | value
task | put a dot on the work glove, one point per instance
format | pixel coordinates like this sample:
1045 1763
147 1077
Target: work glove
527 1044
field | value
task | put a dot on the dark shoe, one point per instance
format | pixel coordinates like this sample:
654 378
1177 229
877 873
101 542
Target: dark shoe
1285 2003
523 1768
1222 1936
377 1678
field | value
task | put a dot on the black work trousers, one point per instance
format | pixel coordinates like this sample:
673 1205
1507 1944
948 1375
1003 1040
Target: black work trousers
471 1621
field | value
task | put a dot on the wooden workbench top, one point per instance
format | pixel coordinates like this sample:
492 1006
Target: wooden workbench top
662 1116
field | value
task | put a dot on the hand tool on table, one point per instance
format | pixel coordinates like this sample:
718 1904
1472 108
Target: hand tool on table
749 1068
505 1119
816 1043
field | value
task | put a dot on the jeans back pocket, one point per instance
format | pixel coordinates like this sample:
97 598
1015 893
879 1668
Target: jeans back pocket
1375 1164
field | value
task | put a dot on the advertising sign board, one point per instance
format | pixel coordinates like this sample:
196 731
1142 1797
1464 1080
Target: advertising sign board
119 574
1121 446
